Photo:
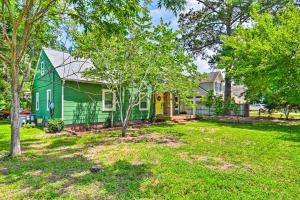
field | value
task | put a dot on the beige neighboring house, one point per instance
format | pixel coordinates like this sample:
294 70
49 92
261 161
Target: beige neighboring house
214 81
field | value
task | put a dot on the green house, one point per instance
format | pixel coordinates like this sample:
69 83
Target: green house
59 90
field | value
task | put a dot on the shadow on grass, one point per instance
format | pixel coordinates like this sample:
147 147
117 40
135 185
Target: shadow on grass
51 176
63 142
291 131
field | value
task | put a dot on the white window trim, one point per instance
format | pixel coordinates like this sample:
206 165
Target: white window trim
42 68
144 109
48 98
103 100
37 101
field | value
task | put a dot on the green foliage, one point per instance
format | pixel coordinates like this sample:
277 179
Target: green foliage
203 28
110 17
199 117
174 6
208 100
219 105
231 105
29 125
55 125
265 58
144 62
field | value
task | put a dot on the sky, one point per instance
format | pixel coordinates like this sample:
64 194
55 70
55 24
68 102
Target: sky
157 13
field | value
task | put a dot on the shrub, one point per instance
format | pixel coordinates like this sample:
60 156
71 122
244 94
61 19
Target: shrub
219 105
55 126
199 117
28 125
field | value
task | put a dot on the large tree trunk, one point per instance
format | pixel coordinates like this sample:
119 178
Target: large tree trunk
15 148
227 93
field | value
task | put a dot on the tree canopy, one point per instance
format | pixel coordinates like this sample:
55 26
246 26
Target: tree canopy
144 62
265 57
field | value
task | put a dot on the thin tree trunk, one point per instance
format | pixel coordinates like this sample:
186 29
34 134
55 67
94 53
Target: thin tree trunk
112 119
286 112
124 128
15 148
227 93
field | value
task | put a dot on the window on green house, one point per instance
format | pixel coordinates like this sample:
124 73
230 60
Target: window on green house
49 99
37 101
144 103
108 100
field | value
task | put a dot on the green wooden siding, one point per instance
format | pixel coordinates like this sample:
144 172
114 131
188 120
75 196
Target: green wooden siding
83 104
82 101
49 81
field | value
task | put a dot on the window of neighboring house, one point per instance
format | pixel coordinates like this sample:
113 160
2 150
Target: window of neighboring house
49 99
216 87
37 101
144 103
42 68
108 100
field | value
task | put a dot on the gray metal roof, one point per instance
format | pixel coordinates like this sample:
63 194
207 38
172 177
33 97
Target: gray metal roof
67 66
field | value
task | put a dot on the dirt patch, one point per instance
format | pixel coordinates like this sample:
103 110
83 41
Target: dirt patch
38 146
247 142
165 140
219 164
51 135
201 158
223 167
53 177
207 130
34 173
136 162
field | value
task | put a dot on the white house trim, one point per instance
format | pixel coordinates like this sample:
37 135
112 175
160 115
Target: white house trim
37 101
49 97
148 103
62 99
103 100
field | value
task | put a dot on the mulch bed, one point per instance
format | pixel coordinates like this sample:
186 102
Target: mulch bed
248 120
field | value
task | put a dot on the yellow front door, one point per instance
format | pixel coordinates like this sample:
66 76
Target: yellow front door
159 103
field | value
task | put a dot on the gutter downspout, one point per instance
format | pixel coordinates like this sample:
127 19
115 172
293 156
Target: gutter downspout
62 99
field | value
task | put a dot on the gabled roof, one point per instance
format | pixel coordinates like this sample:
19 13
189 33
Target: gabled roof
238 90
67 66
212 76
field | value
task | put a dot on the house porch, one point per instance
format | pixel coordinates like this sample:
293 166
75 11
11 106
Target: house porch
167 107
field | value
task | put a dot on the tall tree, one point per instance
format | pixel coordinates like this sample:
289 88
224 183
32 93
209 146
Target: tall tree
24 28
21 22
265 57
204 27
137 65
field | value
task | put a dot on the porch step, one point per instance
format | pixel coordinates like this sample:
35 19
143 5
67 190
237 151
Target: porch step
180 121
175 118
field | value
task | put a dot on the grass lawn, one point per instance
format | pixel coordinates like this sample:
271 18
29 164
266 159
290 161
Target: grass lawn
200 160
276 115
